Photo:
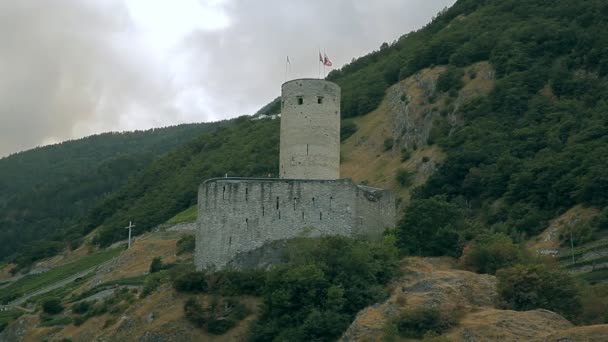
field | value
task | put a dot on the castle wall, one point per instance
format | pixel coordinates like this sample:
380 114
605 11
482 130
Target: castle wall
375 208
310 131
236 216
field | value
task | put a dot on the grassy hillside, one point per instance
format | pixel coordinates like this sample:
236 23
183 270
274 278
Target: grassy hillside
45 190
532 146
169 185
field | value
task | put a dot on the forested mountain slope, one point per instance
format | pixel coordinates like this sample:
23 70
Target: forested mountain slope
531 148
43 191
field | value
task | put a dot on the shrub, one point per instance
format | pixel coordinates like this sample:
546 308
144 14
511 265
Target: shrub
419 322
156 265
528 287
451 79
405 155
150 285
81 307
186 244
195 282
492 252
577 233
347 129
388 144
431 227
594 304
218 317
52 306
404 177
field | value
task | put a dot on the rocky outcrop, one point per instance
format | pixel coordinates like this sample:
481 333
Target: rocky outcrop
436 283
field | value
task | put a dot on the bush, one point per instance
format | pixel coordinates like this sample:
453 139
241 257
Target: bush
577 233
432 227
404 177
528 287
492 252
195 282
405 155
186 244
150 285
347 129
423 321
451 79
218 317
388 144
595 304
81 307
156 265
325 282
52 306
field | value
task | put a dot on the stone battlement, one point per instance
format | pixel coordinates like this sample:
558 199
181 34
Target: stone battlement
240 215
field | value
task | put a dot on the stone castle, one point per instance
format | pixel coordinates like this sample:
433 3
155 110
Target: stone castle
237 216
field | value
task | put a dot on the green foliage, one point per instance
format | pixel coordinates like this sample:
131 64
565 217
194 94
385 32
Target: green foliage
168 186
7 316
52 306
537 154
186 244
323 285
451 79
404 177
82 307
51 321
347 128
188 215
432 227
64 181
424 321
577 233
156 265
492 252
528 287
33 282
594 300
405 155
194 282
216 318
150 285
388 144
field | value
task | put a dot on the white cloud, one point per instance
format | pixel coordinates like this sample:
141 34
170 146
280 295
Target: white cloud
70 68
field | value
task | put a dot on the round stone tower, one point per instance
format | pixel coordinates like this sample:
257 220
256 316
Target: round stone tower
310 129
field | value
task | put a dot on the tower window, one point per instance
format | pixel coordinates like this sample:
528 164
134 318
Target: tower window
319 99
300 100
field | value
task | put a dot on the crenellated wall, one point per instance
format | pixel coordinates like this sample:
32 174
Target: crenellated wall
239 215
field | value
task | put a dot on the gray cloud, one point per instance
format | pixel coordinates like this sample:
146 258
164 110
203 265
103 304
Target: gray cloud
70 68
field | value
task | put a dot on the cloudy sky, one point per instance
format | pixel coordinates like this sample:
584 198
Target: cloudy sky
71 68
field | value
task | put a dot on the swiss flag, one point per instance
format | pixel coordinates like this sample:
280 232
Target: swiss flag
326 61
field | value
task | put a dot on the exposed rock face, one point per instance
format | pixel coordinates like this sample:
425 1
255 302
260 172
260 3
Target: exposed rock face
435 283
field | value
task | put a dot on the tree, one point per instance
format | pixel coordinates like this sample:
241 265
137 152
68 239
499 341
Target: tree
52 306
156 265
492 252
431 227
528 287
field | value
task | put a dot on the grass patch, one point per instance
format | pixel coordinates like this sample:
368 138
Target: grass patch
578 252
132 281
60 292
7 316
587 262
595 276
35 282
188 215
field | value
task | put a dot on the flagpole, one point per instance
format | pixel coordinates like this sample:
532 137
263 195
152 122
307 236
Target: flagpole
286 64
324 54
319 62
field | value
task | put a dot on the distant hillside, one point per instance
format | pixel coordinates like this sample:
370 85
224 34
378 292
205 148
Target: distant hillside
45 190
531 147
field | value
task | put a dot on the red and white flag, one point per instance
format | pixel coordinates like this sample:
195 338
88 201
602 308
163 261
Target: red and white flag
326 61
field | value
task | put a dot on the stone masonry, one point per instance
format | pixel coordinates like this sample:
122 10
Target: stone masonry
238 216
